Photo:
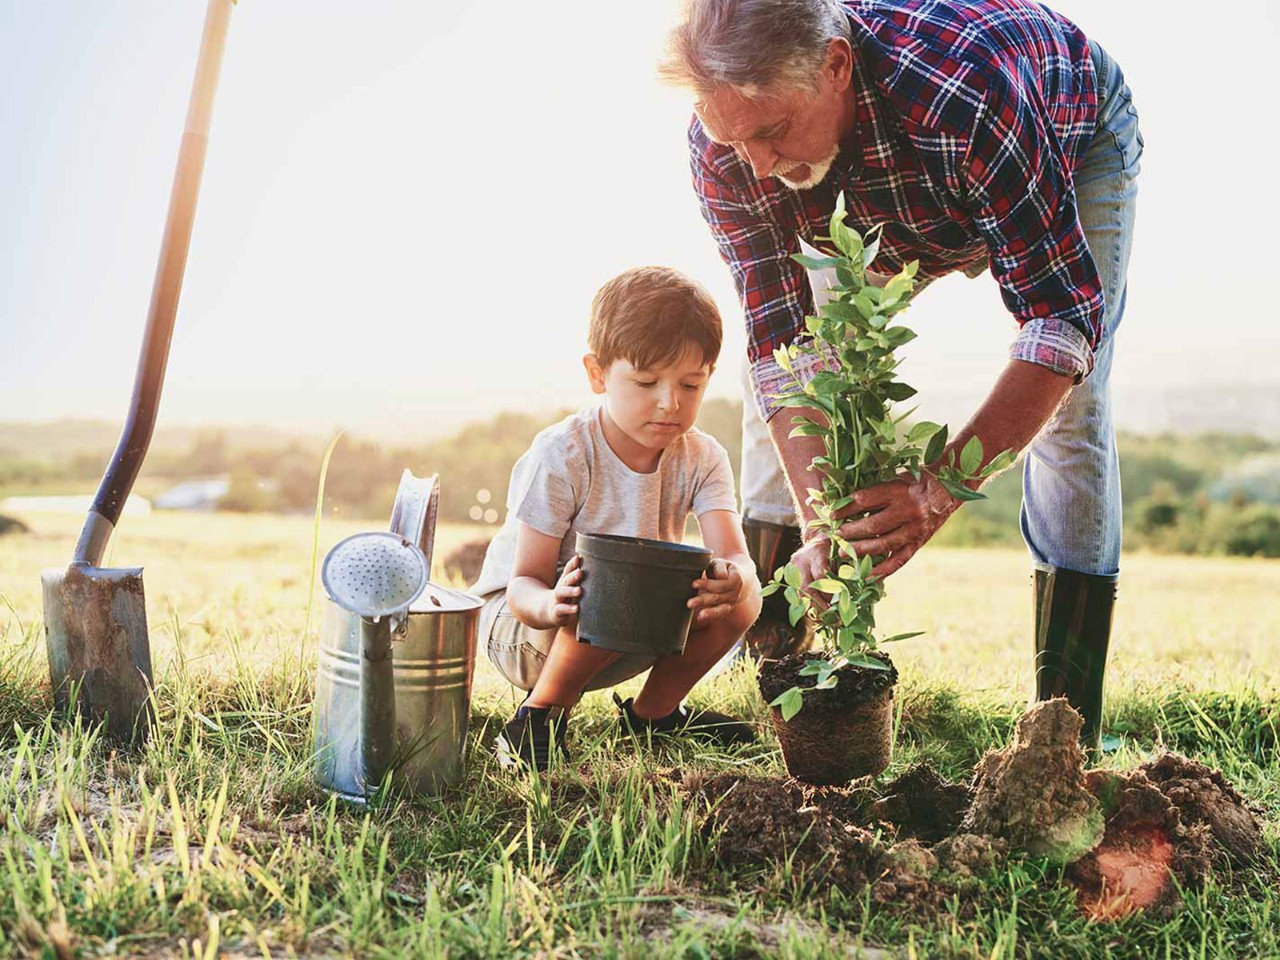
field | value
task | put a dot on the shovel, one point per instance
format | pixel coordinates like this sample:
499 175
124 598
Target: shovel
95 618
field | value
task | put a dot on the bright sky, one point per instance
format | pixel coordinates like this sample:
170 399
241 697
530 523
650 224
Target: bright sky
407 206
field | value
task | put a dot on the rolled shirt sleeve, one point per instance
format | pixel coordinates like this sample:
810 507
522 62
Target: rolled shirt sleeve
1024 205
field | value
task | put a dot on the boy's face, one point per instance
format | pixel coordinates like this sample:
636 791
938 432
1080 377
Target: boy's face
652 406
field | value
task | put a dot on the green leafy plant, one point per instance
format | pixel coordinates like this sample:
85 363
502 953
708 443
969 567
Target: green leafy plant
864 444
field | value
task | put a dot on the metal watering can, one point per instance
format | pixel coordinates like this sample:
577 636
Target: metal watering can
408 719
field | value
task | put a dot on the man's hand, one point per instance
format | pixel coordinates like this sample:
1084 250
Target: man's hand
813 562
719 591
906 512
562 608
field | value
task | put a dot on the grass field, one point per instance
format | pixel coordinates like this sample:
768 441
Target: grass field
213 839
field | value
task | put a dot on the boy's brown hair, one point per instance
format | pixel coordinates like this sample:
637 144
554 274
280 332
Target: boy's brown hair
649 316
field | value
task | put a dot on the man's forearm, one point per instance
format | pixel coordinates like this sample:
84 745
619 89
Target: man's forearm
1015 411
796 455
1022 401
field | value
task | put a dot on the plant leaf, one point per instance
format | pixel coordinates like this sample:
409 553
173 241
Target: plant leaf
902 636
789 702
817 263
936 445
921 430
971 456
827 585
959 490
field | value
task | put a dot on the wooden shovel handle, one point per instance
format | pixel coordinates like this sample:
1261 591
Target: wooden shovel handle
136 437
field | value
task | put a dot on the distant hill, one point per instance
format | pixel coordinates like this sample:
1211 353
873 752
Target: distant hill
58 441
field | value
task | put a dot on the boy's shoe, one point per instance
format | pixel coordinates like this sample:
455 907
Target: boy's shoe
532 736
717 727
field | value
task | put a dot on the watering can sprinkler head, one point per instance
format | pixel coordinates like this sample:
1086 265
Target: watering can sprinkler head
374 575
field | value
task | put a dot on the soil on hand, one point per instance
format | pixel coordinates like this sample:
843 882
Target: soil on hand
1033 794
854 685
922 805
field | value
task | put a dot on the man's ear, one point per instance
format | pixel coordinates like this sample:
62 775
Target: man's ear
837 68
595 372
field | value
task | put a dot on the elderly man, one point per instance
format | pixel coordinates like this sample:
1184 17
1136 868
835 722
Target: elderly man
990 135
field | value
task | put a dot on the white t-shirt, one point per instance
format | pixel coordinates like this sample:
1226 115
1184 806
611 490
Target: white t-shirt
570 481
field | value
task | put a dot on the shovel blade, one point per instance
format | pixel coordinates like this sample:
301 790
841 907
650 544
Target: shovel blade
99 652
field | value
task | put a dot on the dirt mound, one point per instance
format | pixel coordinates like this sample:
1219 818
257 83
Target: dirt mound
922 805
755 821
1145 848
1203 796
1033 794
1131 840
12 525
463 563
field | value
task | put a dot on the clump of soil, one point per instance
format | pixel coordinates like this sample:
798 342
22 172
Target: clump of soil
1145 848
922 805
758 820
12 525
854 685
968 855
463 563
1203 796
1033 793
905 880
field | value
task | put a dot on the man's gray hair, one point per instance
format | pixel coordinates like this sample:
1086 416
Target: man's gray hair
754 46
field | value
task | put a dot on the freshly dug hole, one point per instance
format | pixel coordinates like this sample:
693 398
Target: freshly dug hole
757 821
922 804
1145 847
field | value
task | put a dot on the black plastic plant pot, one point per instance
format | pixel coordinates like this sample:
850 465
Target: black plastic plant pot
635 593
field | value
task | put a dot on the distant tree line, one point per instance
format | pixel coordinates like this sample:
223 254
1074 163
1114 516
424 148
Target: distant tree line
1214 493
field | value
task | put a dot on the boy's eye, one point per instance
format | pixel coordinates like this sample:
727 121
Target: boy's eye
647 383
691 386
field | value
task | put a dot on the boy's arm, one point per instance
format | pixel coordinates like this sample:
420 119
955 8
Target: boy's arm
534 595
733 578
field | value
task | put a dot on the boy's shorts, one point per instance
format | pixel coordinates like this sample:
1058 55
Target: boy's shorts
519 652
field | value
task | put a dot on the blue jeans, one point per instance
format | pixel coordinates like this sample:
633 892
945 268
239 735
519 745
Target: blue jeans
1071 513
1071 475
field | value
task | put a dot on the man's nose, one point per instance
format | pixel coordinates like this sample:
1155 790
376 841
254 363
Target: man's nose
761 156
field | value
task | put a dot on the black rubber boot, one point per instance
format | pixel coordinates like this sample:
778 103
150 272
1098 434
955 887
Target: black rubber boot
1073 627
770 546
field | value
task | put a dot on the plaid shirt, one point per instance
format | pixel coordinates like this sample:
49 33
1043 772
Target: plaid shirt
970 120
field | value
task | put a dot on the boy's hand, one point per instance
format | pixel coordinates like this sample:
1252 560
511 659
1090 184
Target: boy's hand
563 608
719 591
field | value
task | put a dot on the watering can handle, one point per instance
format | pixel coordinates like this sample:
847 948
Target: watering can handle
136 436
414 514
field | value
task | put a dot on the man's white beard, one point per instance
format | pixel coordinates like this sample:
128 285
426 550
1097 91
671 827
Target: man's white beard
817 171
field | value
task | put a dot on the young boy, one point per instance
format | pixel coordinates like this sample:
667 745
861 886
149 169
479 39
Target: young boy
632 465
